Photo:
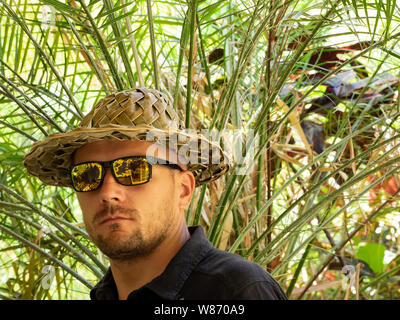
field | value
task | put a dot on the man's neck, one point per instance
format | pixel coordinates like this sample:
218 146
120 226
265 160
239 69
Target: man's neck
132 275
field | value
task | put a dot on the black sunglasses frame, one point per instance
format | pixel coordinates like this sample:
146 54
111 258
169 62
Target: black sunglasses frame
109 164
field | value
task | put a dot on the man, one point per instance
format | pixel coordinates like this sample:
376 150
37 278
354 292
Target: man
133 191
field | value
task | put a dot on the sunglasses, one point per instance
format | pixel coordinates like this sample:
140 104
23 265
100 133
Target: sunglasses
128 171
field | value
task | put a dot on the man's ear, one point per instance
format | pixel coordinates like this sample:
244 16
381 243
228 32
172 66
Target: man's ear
186 185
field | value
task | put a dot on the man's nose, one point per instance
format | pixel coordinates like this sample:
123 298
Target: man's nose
110 190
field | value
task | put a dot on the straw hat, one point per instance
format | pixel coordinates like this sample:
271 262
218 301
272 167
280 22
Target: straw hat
135 114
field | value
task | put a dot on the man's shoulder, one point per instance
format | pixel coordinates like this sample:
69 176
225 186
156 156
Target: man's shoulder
240 278
231 265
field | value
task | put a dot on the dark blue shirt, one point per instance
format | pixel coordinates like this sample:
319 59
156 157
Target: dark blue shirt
200 272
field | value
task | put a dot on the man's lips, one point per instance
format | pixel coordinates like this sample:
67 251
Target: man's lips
111 219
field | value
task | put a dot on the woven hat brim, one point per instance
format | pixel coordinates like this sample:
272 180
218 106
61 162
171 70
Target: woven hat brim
51 159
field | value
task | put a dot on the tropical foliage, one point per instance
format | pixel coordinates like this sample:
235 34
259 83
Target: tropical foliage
308 91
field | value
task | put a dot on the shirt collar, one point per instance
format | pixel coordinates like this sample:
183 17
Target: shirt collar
105 289
170 282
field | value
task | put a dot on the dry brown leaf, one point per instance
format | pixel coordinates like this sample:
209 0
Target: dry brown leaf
295 121
318 287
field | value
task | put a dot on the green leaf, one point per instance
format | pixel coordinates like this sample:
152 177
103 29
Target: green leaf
373 254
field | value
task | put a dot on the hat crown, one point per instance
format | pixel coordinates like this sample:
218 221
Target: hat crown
126 115
134 107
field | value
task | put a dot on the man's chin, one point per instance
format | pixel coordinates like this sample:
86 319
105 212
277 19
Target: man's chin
127 248
118 239
122 253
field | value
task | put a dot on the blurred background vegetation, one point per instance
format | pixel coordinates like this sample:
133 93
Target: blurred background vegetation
317 203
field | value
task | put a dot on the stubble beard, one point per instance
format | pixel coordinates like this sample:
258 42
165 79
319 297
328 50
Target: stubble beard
122 247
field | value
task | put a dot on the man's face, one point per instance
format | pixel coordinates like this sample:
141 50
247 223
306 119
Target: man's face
129 221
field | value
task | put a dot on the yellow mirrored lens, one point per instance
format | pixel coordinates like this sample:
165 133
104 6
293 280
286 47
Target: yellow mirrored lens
131 171
86 176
